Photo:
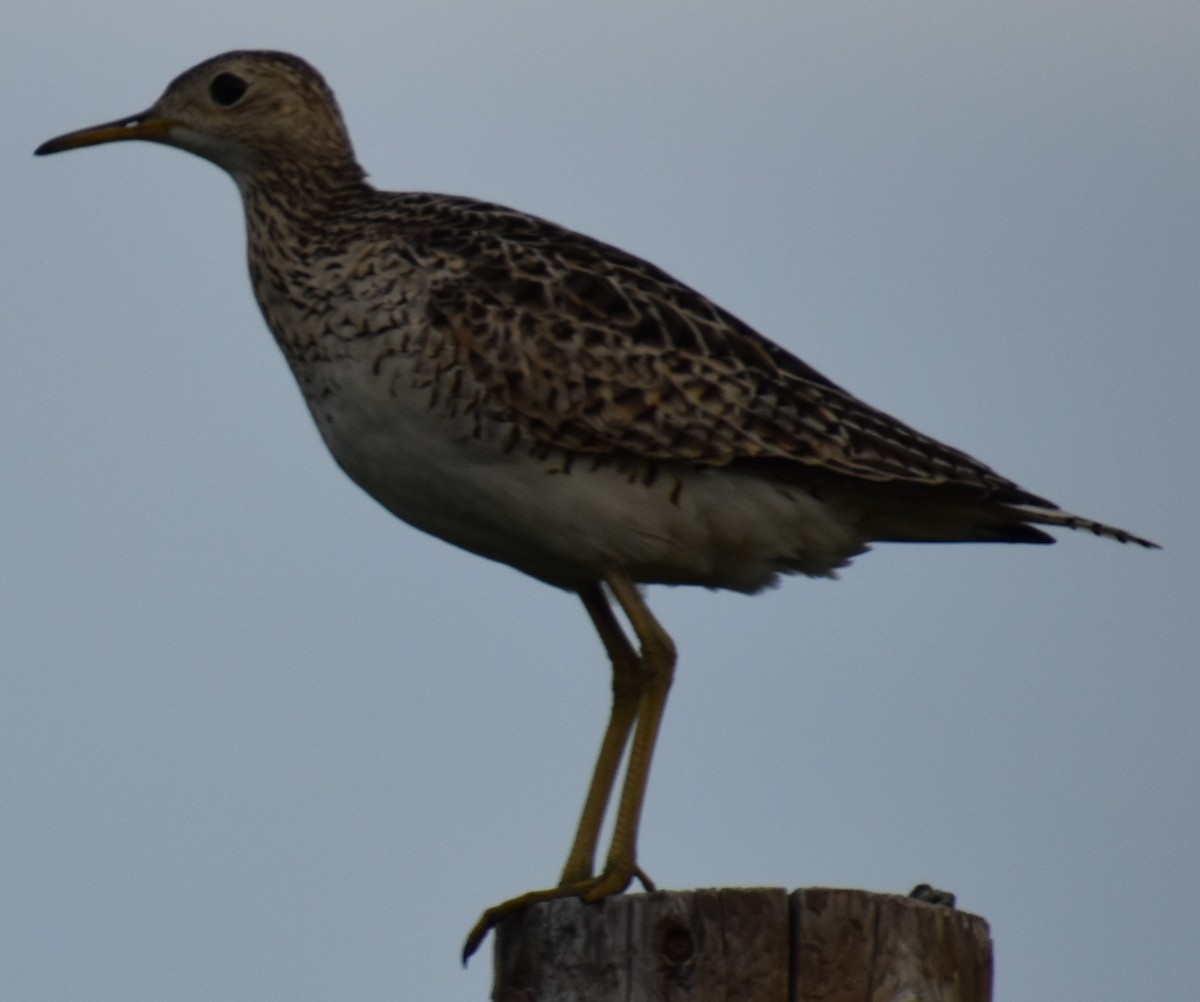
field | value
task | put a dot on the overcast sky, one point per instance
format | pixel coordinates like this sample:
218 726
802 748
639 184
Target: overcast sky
261 741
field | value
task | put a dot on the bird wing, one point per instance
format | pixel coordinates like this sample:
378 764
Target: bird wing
588 349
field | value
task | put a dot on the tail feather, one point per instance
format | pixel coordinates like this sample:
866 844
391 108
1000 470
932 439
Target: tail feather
1046 516
945 514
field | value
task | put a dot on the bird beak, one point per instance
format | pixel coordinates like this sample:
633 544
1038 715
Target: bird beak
147 125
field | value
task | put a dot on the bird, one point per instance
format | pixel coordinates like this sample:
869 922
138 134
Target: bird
549 401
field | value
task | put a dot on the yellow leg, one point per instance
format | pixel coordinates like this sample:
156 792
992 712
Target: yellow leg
626 686
640 686
657 664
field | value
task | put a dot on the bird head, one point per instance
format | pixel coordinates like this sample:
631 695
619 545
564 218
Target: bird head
245 111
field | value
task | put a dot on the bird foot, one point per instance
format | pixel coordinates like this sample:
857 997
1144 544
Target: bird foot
592 889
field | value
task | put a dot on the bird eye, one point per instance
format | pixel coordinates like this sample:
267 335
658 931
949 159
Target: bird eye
227 89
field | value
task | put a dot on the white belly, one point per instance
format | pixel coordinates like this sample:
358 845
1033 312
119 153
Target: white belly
566 522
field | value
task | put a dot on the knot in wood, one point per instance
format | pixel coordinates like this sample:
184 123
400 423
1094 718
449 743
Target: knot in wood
677 945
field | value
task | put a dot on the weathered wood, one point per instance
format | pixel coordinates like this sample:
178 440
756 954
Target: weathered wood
744 945
853 946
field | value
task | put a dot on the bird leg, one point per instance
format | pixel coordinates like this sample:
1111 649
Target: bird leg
626 690
656 670
641 682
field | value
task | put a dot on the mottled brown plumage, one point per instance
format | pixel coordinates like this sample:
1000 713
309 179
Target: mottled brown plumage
547 400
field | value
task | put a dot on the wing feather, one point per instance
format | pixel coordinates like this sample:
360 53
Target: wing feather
590 349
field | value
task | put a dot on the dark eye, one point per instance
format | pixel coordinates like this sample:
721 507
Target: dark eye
227 89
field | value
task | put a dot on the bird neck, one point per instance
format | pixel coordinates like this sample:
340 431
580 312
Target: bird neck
285 197
298 223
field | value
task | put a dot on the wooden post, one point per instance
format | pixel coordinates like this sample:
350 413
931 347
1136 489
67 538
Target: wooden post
744 944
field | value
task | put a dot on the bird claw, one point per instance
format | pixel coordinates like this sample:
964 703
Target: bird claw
591 890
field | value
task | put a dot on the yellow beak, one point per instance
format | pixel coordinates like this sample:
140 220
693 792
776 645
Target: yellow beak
143 126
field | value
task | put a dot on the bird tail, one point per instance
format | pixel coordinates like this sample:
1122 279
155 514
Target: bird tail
1048 516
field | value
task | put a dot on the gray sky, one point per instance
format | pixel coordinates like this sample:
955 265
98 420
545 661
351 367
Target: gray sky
259 740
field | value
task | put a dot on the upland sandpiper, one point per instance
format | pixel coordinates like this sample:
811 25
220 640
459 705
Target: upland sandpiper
549 401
